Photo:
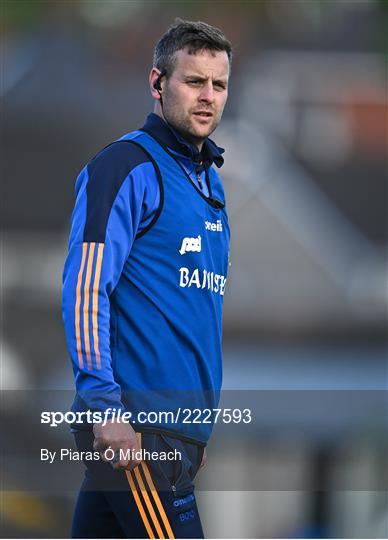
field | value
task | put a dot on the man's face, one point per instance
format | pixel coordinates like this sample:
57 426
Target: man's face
195 94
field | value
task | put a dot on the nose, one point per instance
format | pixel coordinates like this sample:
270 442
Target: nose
207 93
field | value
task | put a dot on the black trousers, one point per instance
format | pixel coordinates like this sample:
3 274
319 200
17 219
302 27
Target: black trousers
155 500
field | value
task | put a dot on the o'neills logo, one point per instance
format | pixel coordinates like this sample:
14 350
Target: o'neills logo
202 279
190 244
217 226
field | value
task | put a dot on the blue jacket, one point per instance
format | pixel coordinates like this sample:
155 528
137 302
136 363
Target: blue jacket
144 281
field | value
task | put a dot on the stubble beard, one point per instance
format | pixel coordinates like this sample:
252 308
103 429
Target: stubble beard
184 125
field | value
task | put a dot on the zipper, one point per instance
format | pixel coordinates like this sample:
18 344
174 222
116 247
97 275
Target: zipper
209 199
199 176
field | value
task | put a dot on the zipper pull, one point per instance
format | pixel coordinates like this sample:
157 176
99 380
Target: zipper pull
198 174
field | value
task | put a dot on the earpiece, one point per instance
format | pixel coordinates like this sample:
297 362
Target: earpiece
157 84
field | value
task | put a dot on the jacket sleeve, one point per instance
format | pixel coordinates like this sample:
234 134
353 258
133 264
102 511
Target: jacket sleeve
117 195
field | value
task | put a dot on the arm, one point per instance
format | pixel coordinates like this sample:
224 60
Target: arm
117 196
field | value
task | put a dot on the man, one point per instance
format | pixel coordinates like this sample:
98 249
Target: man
142 298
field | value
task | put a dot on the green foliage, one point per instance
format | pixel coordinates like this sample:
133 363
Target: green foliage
17 14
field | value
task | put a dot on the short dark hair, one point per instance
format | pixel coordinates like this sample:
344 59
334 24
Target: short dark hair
196 36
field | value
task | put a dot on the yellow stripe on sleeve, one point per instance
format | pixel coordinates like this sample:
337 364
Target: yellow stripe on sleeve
77 307
86 303
96 285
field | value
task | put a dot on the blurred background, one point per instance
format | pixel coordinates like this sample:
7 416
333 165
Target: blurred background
305 326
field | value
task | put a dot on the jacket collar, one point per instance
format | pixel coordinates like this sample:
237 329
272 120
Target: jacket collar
210 153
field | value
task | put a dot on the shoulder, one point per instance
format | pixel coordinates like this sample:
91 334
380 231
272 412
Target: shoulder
120 176
119 158
120 162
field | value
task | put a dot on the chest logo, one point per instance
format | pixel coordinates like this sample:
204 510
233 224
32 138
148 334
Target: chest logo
210 226
190 244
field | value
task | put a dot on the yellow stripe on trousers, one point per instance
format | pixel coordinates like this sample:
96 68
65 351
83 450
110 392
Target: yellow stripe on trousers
148 503
158 502
139 504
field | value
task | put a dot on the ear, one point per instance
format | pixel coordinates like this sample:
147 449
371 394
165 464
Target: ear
153 78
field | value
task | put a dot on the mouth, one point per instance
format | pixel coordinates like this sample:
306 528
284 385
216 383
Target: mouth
203 114
203 117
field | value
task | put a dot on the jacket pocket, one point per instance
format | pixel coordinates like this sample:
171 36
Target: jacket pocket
177 474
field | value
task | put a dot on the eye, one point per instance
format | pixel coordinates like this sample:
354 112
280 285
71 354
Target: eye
220 86
194 82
